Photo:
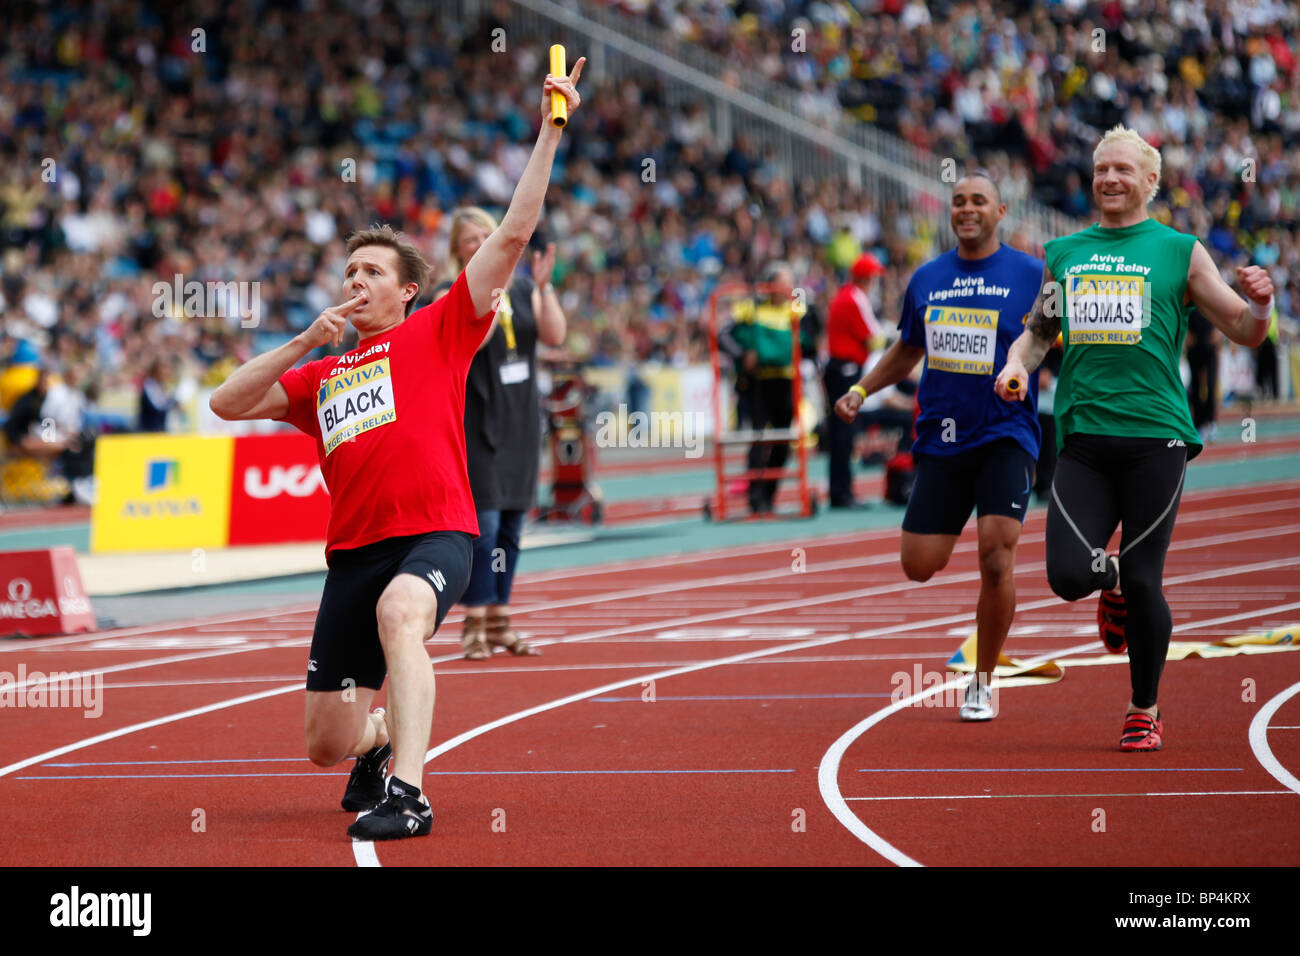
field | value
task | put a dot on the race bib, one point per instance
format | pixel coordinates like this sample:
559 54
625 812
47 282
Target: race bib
1106 309
351 403
961 340
512 372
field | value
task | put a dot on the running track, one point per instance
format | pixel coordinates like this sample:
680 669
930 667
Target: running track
770 738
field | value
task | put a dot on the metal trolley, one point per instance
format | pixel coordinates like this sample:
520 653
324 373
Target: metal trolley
717 505
574 495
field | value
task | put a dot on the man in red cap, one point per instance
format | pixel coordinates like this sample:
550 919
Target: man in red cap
851 327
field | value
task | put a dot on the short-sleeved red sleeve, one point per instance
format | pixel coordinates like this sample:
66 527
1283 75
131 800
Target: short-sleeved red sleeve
300 384
458 329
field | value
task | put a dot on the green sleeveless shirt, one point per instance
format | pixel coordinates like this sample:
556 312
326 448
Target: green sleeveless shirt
1124 323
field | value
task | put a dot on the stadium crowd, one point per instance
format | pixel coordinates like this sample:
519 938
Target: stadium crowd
241 143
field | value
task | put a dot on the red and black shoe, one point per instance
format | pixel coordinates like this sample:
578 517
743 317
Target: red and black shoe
1141 732
1111 611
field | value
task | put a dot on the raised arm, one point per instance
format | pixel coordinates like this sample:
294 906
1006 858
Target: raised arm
1042 326
490 268
1245 323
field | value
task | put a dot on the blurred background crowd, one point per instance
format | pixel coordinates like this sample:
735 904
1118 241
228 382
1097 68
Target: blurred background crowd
241 142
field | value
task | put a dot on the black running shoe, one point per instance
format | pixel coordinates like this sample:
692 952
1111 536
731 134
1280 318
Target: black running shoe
366 785
400 815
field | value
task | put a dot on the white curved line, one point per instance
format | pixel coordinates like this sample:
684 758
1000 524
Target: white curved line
364 851
962 617
145 725
828 771
1259 739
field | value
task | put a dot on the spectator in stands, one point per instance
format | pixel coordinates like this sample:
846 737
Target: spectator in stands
156 397
45 424
193 163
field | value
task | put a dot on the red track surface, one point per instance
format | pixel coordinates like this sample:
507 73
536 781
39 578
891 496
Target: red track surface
722 765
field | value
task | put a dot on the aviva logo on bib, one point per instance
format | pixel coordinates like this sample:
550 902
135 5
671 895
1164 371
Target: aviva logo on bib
960 339
1107 309
351 403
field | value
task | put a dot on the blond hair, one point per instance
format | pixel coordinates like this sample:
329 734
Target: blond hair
462 217
411 264
1150 156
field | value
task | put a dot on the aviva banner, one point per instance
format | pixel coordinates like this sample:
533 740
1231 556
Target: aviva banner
161 493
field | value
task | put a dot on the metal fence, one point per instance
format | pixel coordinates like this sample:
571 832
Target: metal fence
841 148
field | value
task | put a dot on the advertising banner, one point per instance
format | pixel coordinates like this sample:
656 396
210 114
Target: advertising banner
277 492
161 493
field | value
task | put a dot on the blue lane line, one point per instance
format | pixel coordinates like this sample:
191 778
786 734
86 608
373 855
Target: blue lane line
618 700
173 776
1056 770
140 763
326 773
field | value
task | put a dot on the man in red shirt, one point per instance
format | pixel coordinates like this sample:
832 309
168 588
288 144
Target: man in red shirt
849 331
388 419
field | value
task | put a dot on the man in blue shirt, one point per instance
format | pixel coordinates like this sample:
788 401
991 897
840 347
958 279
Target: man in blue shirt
961 312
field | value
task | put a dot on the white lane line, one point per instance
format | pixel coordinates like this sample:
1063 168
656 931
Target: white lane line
838 596
37 644
814 642
893 630
1258 736
468 735
362 854
270 614
146 724
364 851
850 820
64 677
1066 796
829 769
540 669
1258 612
829 784
816 566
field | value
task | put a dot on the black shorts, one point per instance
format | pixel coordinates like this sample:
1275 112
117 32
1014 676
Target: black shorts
345 644
995 478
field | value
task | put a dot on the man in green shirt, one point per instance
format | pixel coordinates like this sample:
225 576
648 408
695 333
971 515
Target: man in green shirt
1120 291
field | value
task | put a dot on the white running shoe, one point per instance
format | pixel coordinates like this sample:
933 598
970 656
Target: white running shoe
979 702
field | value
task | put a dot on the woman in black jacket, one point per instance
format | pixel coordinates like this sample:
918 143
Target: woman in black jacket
503 434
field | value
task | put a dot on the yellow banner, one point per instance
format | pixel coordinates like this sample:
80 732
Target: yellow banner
161 493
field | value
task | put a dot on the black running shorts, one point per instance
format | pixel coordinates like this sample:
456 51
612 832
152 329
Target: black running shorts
995 478
345 644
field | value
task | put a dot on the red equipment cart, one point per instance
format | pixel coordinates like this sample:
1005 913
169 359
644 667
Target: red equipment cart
573 494
717 505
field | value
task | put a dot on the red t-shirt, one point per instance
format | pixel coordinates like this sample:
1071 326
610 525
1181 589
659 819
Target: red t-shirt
389 422
850 325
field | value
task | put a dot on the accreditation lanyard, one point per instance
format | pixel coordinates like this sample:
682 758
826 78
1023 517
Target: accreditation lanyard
514 370
506 316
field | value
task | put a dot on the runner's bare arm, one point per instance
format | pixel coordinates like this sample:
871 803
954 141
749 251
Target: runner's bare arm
1042 326
489 270
899 359
1226 310
254 390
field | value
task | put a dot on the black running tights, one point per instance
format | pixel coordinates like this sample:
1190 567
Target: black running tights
1102 482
